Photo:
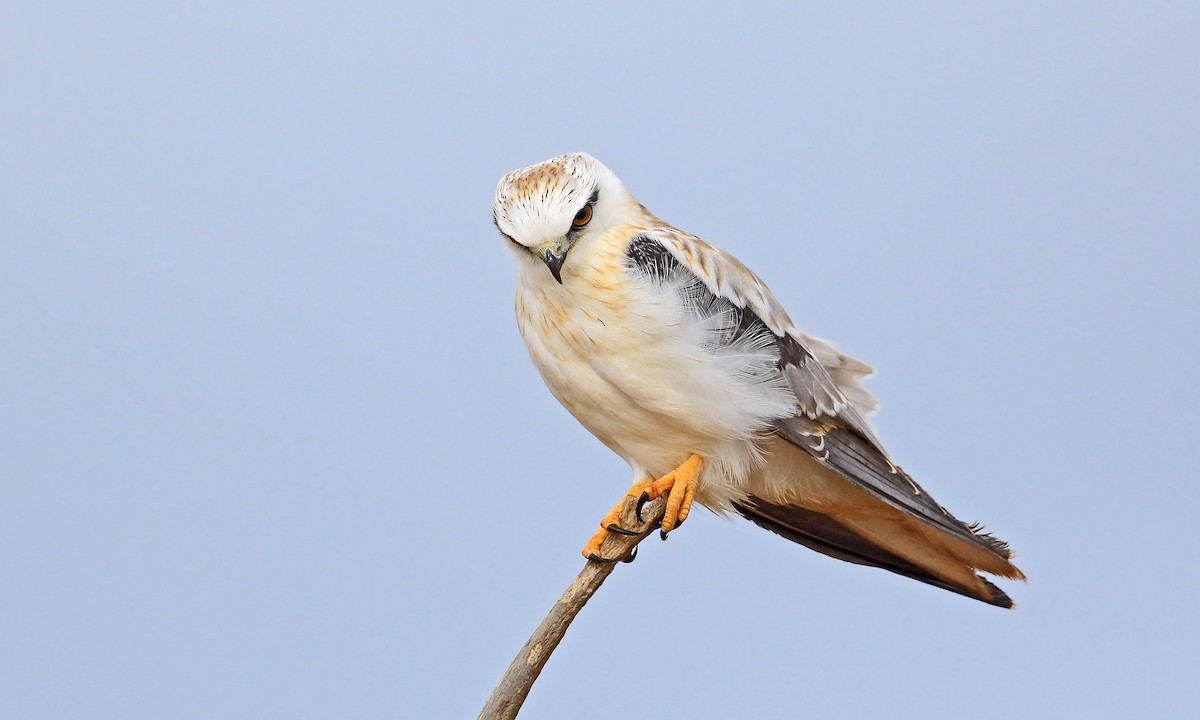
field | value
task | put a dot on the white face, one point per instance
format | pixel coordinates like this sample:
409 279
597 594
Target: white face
546 208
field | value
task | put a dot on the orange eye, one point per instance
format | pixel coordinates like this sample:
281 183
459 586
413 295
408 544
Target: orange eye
583 217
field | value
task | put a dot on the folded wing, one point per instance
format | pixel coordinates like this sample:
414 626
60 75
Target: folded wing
923 540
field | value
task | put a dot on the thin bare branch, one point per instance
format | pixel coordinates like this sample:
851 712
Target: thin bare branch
510 693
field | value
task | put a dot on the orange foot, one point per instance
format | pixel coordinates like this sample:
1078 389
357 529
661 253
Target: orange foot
681 483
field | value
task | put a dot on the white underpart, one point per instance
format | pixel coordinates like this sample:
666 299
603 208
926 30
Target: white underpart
661 383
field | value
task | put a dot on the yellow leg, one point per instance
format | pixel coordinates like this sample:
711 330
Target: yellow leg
680 483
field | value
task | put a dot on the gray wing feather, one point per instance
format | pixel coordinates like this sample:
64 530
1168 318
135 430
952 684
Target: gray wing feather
833 432
828 425
726 277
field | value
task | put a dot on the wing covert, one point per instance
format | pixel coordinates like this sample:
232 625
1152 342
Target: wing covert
828 426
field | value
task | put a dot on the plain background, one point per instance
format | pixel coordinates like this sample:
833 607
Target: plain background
271 447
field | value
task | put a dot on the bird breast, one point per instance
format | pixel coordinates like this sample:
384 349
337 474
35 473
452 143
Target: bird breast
629 361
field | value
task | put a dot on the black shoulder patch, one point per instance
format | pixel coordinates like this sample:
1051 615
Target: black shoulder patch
650 257
728 324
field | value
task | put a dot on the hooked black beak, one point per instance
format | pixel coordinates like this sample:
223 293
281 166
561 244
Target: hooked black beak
555 262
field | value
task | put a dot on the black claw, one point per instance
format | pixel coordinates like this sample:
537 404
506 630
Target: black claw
679 523
596 558
662 533
645 498
615 528
632 555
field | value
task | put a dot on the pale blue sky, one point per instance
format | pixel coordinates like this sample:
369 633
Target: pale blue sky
271 447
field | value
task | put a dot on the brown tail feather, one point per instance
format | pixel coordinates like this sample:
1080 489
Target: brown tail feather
822 533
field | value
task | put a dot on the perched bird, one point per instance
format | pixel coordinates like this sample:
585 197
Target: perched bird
681 361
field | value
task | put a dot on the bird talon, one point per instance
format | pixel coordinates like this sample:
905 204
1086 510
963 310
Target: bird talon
645 498
615 528
680 483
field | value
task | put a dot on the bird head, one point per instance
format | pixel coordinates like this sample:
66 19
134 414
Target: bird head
546 209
